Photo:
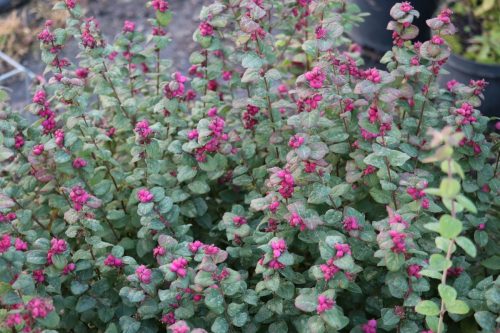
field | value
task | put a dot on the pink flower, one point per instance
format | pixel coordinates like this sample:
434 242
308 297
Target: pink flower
5 243
239 220
40 97
370 326
287 183
79 163
143 274
425 203
451 84
79 197
20 245
351 223
38 276
437 40
39 307
296 141
445 15
19 141
414 270
58 246
176 87
144 196
329 269
59 137
324 304
38 149
372 74
212 112
206 29
70 4
406 6
112 261
13 320
342 250
316 77
179 266
159 251
278 247
193 134
128 26
82 73
320 32
369 170
195 246
142 128
227 75
398 239
168 318
296 221
69 268
210 250
160 5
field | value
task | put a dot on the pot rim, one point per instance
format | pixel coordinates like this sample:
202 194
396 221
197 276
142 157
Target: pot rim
462 64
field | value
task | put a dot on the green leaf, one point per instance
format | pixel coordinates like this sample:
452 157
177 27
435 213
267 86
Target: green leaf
439 262
185 172
61 157
5 153
397 158
455 168
457 307
394 261
199 187
129 325
164 18
427 308
220 325
449 188
145 208
306 302
486 320
492 262
335 319
51 321
449 227
252 60
85 303
467 245
214 301
467 203
448 294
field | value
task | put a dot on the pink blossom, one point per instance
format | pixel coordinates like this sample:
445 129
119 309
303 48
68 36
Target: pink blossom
414 270
59 137
143 274
38 149
128 26
144 196
316 77
79 197
142 128
82 73
112 261
398 239
369 170
372 114
273 206
372 74
406 6
445 15
481 226
159 251
206 29
324 304
160 5
69 268
70 4
20 245
296 221
329 269
58 246
278 247
193 134
39 307
40 97
342 250
19 141
179 266
79 163
227 75
370 326
38 276
239 220
320 32
5 243
451 84
210 250
195 246
212 112
350 223
13 319
437 40
168 318
296 141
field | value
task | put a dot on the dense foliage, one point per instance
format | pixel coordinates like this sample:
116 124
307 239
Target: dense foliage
278 186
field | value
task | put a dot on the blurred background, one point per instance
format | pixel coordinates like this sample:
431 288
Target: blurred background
476 46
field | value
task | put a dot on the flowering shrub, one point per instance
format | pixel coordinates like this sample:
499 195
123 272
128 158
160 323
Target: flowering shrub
278 186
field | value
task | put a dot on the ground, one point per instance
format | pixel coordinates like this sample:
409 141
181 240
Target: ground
111 14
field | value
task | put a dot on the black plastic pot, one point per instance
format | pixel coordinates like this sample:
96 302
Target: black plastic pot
372 32
7 5
464 70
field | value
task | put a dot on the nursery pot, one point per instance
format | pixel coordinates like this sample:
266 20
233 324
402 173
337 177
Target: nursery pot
6 5
464 70
372 32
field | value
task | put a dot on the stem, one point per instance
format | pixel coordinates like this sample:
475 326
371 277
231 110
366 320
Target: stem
421 117
271 115
125 113
157 50
448 257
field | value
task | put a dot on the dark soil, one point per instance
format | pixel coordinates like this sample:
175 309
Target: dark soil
111 14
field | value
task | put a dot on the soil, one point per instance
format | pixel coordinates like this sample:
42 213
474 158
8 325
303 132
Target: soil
111 14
